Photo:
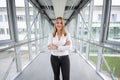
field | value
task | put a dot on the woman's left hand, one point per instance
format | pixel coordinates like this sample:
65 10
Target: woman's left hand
54 46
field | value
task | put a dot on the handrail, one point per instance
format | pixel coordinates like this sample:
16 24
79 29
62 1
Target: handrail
104 60
13 46
98 44
19 44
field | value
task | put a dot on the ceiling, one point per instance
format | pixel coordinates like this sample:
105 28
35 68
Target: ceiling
59 7
55 8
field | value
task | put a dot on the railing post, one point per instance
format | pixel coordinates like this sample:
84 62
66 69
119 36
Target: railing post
28 27
99 59
18 61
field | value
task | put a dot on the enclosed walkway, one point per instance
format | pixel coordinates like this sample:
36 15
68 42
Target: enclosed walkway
94 26
40 69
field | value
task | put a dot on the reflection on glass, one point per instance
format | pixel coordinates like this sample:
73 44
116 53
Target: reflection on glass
4 27
21 22
97 16
114 27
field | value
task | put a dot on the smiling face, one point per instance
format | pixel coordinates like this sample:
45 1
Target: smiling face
59 24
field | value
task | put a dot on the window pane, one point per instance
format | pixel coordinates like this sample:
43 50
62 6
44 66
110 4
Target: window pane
86 13
21 22
4 28
114 27
97 16
32 17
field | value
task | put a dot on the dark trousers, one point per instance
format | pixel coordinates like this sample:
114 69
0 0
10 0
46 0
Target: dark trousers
62 62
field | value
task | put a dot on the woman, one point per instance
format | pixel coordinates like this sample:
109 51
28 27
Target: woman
60 43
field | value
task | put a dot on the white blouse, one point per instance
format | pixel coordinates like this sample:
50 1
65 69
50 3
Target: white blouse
62 50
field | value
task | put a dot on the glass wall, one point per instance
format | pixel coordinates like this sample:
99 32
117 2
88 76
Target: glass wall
97 17
22 51
112 58
114 26
4 27
85 15
104 57
95 29
21 19
7 60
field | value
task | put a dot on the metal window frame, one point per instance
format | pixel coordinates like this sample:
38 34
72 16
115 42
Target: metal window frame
11 12
105 24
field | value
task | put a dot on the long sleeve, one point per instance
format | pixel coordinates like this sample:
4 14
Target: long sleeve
61 50
64 48
68 47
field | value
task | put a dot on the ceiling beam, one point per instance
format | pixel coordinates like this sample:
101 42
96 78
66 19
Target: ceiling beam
59 7
37 4
81 5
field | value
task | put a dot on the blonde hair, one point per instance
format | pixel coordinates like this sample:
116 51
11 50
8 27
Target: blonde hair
63 27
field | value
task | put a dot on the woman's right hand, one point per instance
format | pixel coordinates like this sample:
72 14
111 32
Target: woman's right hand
52 47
